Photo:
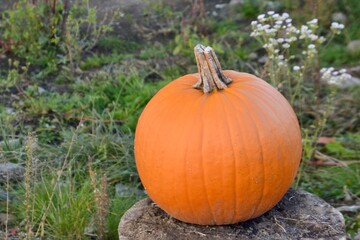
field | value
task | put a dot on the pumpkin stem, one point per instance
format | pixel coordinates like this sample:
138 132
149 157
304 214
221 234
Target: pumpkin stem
211 75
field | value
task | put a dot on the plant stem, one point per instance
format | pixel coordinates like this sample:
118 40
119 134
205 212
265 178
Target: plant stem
211 75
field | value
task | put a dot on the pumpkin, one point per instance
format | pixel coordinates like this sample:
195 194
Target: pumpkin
217 147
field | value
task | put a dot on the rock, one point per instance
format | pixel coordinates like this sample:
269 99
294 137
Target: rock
4 196
10 110
6 219
253 56
354 71
299 215
353 81
220 5
236 2
263 59
339 17
41 90
122 190
13 171
357 236
353 47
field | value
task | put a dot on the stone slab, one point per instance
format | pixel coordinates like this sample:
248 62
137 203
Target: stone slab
299 215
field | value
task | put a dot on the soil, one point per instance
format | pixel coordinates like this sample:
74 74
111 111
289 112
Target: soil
299 215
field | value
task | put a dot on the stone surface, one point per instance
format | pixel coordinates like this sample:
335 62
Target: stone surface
299 215
339 17
13 171
122 190
5 196
6 219
353 47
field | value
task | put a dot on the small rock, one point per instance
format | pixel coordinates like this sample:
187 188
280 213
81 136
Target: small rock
353 81
353 47
6 219
357 236
220 6
354 71
253 56
14 172
263 59
236 2
122 190
4 196
273 5
41 90
9 110
339 17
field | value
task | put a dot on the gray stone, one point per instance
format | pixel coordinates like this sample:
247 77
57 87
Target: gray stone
9 110
236 2
339 17
41 90
263 59
354 71
353 81
353 47
122 190
12 171
253 56
299 215
6 219
5 196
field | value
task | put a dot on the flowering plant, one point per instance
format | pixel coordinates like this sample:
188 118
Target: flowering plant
292 60
293 51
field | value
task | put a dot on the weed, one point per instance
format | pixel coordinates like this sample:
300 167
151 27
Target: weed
50 34
101 201
119 206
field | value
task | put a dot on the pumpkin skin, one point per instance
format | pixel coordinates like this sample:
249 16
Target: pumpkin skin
221 157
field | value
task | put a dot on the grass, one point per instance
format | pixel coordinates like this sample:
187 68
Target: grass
88 118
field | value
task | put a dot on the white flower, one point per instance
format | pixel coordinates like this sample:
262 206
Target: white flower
278 22
286 45
270 13
296 68
285 15
276 16
313 37
336 25
312 22
335 73
321 39
343 70
311 46
281 57
261 17
254 23
289 20
304 28
280 40
345 76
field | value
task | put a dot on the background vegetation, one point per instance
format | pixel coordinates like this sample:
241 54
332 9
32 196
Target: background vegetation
74 81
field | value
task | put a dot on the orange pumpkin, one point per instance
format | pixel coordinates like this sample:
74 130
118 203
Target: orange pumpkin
217 147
